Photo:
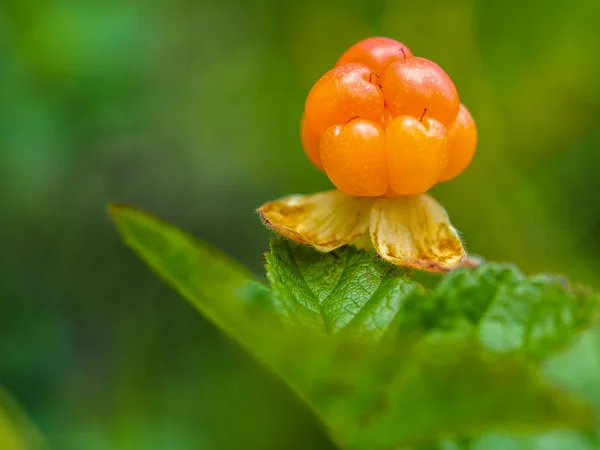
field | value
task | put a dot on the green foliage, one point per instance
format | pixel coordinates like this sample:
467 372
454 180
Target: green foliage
332 292
504 310
384 362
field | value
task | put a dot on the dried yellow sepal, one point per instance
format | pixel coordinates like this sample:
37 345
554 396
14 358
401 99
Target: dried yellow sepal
326 220
406 231
415 232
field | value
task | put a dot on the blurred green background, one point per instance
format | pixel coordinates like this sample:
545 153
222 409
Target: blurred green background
190 110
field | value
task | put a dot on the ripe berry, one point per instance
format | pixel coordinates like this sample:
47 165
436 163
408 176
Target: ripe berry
342 94
383 122
353 157
310 143
416 154
376 53
462 141
416 84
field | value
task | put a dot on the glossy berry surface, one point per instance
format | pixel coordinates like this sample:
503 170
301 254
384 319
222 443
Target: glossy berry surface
415 84
353 156
416 154
384 122
310 143
462 141
377 53
342 94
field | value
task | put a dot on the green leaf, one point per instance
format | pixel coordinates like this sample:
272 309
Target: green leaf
359 340
494 304
417 391
348 289
577 369
506 311
16 430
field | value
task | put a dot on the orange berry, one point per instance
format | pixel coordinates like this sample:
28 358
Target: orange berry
462 141
353 156
342 94
416 84
310 143
376 53
416 154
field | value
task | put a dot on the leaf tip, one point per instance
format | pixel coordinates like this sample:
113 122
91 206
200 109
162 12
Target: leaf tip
121 214
114 209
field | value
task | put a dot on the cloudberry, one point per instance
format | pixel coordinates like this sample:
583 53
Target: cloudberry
383 122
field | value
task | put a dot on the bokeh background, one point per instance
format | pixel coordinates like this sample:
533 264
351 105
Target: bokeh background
190 110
